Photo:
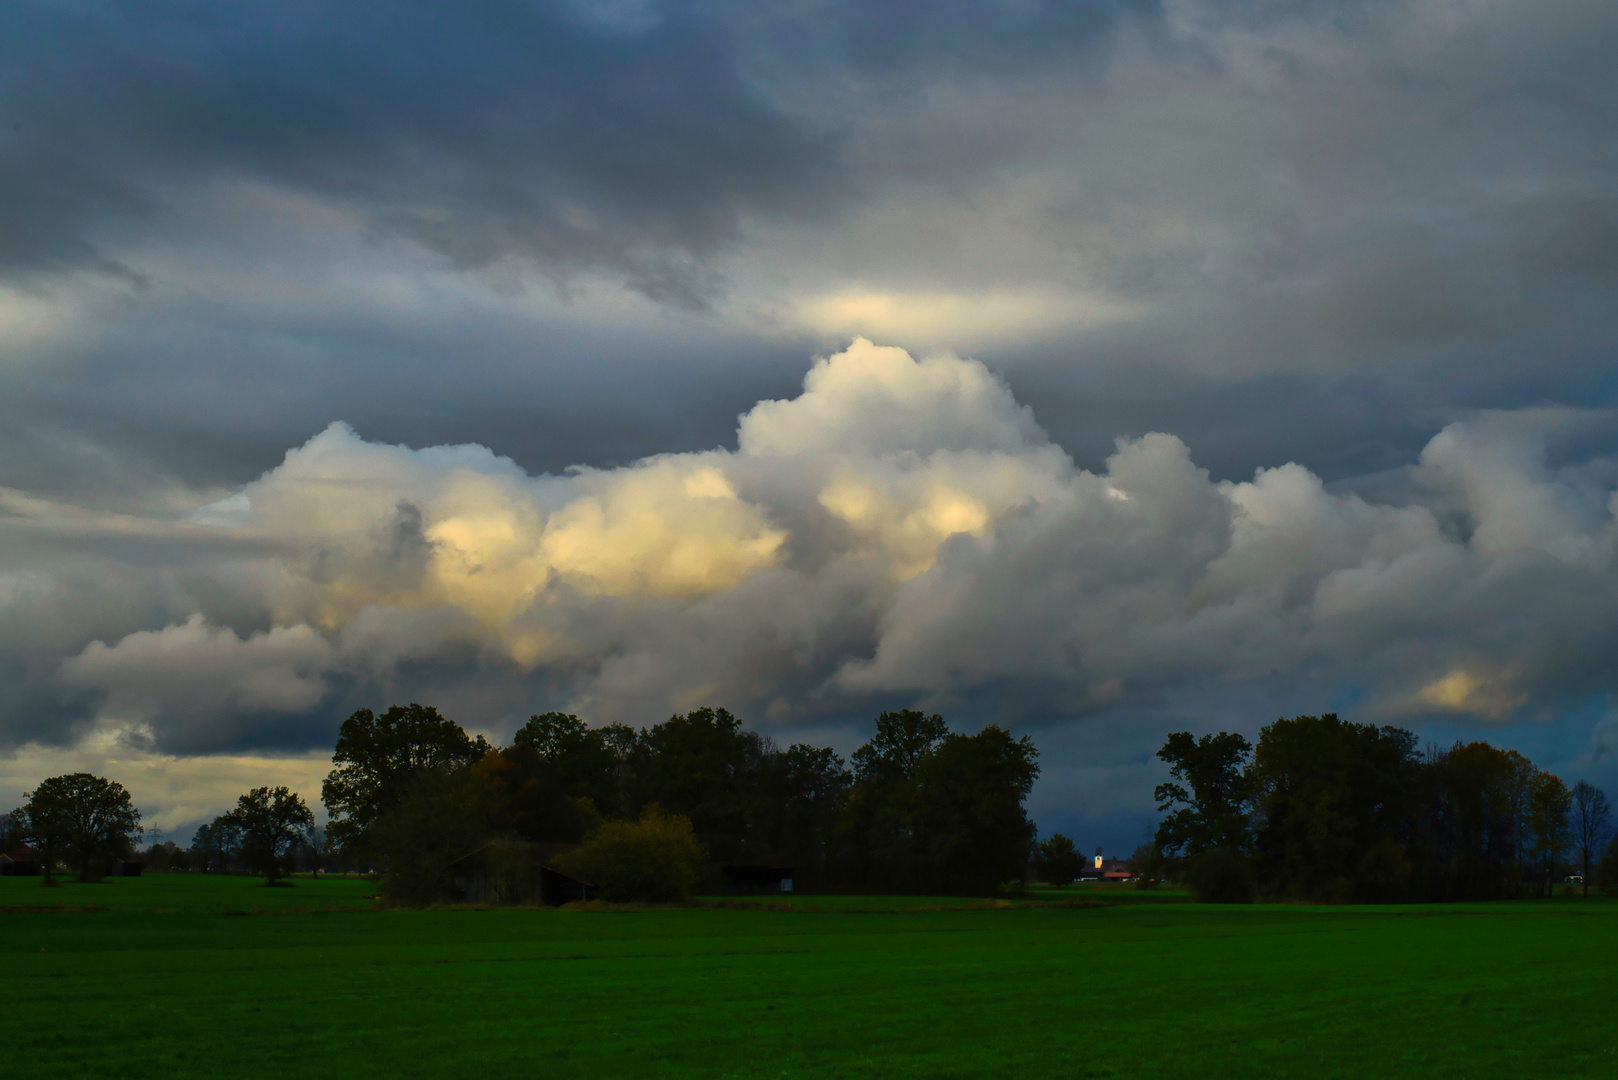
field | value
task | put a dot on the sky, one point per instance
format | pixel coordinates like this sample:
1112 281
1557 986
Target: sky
1098 369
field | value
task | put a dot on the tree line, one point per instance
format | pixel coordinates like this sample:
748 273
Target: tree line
1318 809
918 808
1327 810
91 824
650 811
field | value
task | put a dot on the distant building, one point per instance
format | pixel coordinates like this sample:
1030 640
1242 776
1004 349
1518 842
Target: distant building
1104 869
19 863
512 872
757 877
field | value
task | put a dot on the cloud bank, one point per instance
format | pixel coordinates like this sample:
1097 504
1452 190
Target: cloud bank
902 531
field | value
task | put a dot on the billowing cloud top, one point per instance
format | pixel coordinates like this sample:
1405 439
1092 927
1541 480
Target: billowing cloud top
901 530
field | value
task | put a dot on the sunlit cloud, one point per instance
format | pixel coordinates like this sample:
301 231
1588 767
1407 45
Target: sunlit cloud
962 319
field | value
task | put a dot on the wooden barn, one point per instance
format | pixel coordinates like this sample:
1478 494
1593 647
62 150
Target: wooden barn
510 872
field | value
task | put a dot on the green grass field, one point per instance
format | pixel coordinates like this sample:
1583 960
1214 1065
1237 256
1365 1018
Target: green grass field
166 982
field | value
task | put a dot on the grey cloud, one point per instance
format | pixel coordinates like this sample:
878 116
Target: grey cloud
504 129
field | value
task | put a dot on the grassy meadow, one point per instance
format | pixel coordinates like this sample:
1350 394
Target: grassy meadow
215 976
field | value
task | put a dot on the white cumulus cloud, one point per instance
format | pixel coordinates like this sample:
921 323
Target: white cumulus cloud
901 530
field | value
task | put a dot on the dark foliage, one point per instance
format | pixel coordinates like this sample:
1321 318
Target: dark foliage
1333 801
1607 870
1336 811
1146 865
1591 824
217 844
270 823
902 741
704 767
653 860
83 817
1212 813
1467 843
1549 805
801 792
930 811
937 812
588 763
13 825
1057 861
378 757
1222 876
444 815
528 801
971 832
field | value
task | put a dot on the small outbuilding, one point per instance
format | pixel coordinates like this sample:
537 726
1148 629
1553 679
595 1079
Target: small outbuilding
757 877
557 888
513 872
19 863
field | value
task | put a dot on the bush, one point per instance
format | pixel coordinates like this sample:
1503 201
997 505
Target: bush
655 859
1222 876
1146 866
1056 861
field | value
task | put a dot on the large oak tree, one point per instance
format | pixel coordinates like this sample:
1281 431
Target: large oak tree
84 817
378 757
271 821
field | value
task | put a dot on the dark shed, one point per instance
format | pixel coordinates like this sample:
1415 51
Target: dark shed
757 877
20 863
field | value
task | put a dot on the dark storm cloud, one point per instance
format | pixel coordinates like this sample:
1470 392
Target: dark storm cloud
619 137
484 128
191 398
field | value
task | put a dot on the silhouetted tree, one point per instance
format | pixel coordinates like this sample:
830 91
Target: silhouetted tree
444 815
798 799
377 758
216 844
527 799
1222 876
1549 803
315 844
587 762
166 857
1468 832
701 766
12 825
81 815
972 834
1146 865
1333 801
46 831
877 845
902 740
1519 789
1591 826
270 821
1607 869
1212 813
1057 861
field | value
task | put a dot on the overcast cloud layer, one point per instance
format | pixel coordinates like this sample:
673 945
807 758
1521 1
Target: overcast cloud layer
1291 373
